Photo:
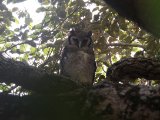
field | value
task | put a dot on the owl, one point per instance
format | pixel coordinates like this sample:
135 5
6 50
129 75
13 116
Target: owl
78 59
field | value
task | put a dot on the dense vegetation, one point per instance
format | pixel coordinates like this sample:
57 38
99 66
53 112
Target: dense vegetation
30 85
41 44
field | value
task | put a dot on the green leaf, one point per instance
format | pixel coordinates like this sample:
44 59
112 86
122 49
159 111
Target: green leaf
16 20
24 35
23 48
61 12
21 14
28 20
14 50
38 26
46 50
33 50
25 58
8 45
44 2
41 9
14 9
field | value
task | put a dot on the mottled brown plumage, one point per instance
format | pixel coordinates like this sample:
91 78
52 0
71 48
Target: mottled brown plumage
78 60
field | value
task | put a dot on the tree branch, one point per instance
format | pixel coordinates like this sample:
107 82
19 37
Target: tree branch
126 44
54 97
32 78
103 101
133 68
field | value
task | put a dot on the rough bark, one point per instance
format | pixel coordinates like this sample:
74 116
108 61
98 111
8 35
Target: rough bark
58 98
133 68
31 78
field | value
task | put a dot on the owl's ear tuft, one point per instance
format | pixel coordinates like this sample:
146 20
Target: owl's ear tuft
89 34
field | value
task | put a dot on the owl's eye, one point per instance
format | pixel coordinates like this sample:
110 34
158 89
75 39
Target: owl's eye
74 40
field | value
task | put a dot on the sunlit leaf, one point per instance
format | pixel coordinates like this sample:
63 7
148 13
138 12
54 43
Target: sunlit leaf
46 50
32 50
8 45
23 48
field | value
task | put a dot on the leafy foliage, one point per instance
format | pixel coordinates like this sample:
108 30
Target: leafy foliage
40 45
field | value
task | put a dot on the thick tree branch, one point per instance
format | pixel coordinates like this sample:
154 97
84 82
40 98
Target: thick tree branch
132 68
31 78
103 101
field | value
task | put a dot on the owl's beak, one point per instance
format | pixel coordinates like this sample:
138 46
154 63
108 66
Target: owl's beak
80 44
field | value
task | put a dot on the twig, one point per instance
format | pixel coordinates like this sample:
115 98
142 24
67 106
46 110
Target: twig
126 44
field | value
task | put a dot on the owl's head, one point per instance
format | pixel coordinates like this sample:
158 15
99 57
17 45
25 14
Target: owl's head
80 39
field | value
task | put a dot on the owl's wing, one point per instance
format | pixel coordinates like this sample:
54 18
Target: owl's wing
62 60
90 51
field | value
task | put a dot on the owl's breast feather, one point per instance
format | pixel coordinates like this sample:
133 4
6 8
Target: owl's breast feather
79 57
79 66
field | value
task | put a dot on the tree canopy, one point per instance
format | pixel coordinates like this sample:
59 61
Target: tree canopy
41 44
33 51
144 12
